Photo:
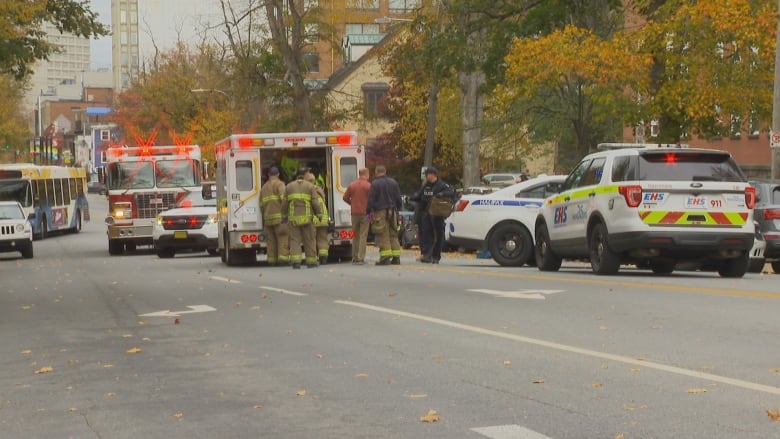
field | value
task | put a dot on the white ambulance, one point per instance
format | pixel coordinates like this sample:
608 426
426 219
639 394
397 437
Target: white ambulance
243 162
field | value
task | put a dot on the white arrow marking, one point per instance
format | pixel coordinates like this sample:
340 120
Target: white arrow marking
283 291
509 432
167 313
521 294
224 279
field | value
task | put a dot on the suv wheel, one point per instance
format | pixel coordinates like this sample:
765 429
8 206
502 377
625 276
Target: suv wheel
27 252
776 267
166 253
213 251
663 266
603 260
546 260
736 267
510 245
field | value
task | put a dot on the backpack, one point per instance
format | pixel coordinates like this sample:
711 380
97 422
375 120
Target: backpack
440 207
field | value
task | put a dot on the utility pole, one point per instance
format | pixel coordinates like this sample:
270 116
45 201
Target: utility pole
775 149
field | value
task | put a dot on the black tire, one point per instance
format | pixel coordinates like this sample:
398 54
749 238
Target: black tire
546 259
166 253
756 265
213 251
510 245
662 266
736 267
27 252
776 267
603 261
115 247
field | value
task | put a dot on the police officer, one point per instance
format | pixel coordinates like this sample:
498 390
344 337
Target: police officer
320 222
384 202
299 209
432 226
271 199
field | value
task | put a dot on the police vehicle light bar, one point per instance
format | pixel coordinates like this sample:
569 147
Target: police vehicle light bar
611 146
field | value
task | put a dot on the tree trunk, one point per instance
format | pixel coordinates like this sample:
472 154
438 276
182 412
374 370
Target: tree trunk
472 106
430 133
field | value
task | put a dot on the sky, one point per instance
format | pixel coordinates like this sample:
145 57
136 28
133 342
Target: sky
161 21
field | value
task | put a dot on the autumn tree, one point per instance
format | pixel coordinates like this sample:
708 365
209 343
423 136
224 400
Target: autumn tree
13 124
712 66
22 38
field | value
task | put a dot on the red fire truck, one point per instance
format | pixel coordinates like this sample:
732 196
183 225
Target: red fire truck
142 182
243 162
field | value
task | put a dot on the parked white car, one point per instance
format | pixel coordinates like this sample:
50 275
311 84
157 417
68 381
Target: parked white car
503 221
15 232
191 225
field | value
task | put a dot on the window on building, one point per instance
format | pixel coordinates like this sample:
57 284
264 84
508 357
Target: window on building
312 33
361 28
123 16
133 38
123 37
374 94
754 129
363 4
735 129
654 128
310 4
312 62
403 6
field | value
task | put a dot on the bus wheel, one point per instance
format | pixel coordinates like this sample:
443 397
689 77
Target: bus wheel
115 247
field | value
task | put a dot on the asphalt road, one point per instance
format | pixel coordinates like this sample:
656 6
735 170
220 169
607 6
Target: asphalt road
346 351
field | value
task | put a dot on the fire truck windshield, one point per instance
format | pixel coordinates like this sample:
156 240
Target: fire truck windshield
176 173
131 175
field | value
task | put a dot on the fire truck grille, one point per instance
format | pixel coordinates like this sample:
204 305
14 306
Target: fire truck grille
151 204
184 222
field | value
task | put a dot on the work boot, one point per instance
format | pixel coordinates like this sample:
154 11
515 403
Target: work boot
426 260
395 261
312 265
296 266
384 261
323 260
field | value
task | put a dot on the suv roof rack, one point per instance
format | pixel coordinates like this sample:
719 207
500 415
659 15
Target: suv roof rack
611 146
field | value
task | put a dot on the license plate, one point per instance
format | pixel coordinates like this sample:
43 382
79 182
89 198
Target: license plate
179 235
696 202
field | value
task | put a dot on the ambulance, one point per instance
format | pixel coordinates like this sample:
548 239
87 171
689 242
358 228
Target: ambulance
243 162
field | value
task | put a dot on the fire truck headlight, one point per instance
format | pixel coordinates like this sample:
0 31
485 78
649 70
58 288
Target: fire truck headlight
213 217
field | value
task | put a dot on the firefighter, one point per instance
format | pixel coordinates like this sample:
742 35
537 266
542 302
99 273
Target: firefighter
271 200
384 202
320 222
299 209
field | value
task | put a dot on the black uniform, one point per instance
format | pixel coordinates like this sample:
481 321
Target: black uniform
432 227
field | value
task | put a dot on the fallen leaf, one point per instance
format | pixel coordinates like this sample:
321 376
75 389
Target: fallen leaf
774 369
134 350
628 408
436 357
320 356
44 369
254 308
26 307
432 416
596 385
507 363
178 415
26 352
417 395
538 381
696 391
392 294
72 361
110 395
257 406
641 358
73 409
301 393
635 369
63 350
602 328
146 339
361 375
773 414
108 366
619 436
127 335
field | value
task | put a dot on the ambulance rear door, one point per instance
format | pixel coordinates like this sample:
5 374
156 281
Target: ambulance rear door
345 163
244 190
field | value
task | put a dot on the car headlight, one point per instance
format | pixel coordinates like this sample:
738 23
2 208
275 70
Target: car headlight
19 228
159 220
213 218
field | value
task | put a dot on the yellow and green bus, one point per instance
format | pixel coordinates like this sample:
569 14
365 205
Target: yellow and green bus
53 197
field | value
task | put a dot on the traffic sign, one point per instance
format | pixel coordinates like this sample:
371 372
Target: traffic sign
774 140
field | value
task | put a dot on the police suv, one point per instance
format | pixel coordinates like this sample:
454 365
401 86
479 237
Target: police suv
503 221
650 205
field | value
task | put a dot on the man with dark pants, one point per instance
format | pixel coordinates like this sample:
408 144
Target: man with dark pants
299 209
357 198
384 202
432 226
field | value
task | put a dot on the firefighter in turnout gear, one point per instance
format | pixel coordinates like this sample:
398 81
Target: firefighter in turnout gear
271 199
299 209
384 202
320 222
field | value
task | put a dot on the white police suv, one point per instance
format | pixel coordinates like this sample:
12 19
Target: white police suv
191 225
15 231
503 221
653 206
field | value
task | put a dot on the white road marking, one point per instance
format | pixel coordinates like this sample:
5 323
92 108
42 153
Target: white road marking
283 291
167 313
224 279
521 294
571 349
509 432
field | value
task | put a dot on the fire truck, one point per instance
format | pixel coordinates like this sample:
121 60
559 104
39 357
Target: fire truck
243 162
142 182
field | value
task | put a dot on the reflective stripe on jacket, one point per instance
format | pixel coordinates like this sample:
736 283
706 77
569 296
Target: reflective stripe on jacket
271 197
298 205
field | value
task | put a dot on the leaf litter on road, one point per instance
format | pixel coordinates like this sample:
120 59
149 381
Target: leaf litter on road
44 369
431 416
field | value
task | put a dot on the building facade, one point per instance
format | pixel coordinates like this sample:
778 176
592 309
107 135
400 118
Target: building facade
125 52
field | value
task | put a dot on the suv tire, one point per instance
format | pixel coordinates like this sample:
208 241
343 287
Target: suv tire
511 245
166 253
662 266
603 260
736 267
546 260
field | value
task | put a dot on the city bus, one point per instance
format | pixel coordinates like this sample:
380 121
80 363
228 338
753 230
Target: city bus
53 197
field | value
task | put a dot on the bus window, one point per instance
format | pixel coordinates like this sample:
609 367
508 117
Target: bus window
66 190
49 199
79 187
16 190
73 192
58 191
348 170
244 178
